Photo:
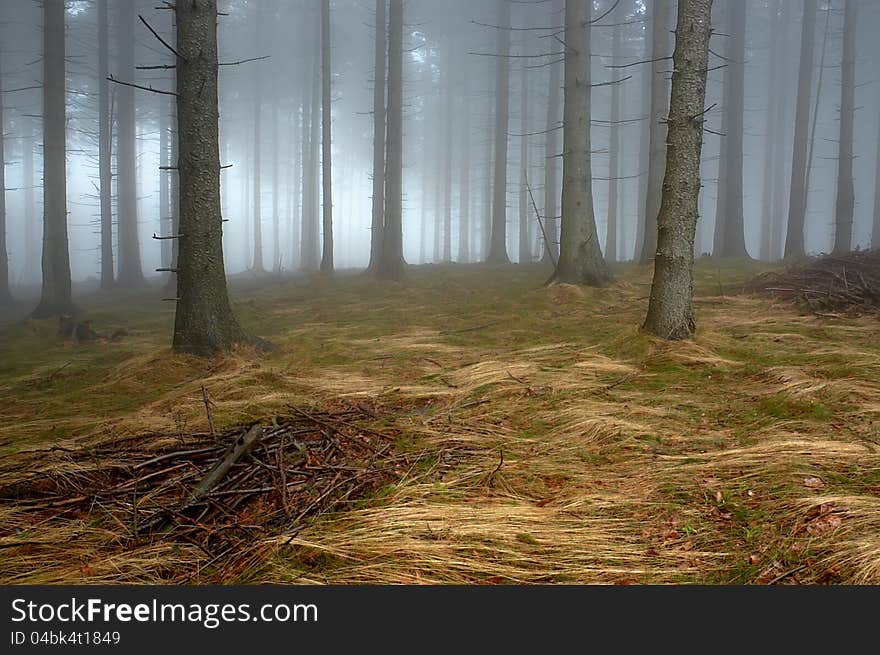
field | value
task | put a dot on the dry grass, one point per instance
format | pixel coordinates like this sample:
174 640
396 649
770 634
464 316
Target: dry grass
567 447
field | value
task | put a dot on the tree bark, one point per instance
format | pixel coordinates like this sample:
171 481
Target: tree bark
670 309
875 228
498 240
259 266
734 244
204 323
448 153
326 141
615 142
580 257
525 246
797 206
771 151
310 237
659 110
105 172
130 271
392 263
55 297
464 188
846 201
381 54
551 153
5 292
647 77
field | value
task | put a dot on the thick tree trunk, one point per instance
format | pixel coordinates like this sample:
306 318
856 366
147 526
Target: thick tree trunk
105 172
846 201
130 270
615 142
498 240
670 309
55 297
204 323
734 244
660 41
326 142
381 55
552 152
525 245
392 263
797 205
580 257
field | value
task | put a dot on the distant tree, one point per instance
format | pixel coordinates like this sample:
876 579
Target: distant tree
379 74
464 188
670 309
498 238
130 270
615 142
525 245
326 141
257 97
875 231
105 172
797 206
772 150
660 44
55 297
846 201
580 257
392 263
204 323
309 244
5 293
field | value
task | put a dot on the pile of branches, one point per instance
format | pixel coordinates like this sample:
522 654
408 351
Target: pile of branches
830 286
218 491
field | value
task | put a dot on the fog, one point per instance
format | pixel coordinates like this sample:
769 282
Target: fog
450 71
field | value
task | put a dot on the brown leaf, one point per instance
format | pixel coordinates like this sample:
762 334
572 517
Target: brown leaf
545 502
754 560
812 482
719 497
824 524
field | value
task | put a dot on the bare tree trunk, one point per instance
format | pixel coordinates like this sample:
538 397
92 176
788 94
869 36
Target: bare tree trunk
276 187
551 152
734 244
310 237
326 142
55 298
580 257
392 264
659 110
5 292
174 191
780 170
130 271
447 173
770 141
464 188
498 240
797 206
525 246
670 309
257 91
618 17
204 323
647 78
846 201
381 54
875 228
30 220
164 187
105 172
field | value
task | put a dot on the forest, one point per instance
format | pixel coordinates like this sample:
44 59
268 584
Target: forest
415 292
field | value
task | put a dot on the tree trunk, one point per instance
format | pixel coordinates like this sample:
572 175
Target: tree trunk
464 188
525 246
105 171
30 220
797 205
875 228
204 323
276 187
310 238
326 142
498 240
771 151
55 297
5 293
259 266
580 257
670 309
780 181
846 201
130 271
659 110
447 172
734 244
618 17
392 265
551 153
647 77
381 54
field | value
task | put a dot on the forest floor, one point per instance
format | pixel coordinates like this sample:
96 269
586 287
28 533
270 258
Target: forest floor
565 446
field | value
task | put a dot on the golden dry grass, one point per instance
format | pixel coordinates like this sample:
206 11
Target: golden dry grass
567 447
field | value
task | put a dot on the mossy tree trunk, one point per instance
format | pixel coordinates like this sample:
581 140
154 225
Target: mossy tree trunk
204 323
580 257
55 297
670 309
